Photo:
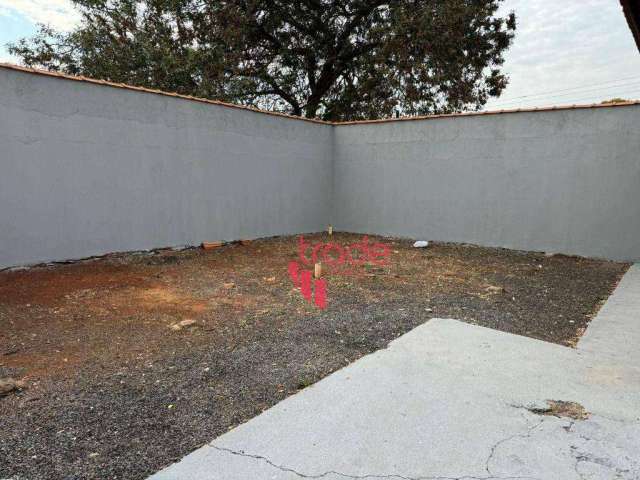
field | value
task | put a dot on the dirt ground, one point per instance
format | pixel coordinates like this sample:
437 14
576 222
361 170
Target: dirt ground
115 390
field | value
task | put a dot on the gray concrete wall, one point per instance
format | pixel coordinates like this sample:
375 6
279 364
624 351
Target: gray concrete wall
87 169
561 181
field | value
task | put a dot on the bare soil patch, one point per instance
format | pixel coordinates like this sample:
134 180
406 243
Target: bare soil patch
562 409
114 390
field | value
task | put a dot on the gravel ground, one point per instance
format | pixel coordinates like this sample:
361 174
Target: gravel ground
114 390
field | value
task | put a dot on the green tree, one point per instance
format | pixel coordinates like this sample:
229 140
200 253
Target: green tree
331 59
614 100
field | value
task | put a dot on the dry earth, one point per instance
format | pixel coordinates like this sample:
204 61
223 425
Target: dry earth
116 387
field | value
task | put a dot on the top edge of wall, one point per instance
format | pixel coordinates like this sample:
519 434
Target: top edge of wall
77 78
10 66
491 112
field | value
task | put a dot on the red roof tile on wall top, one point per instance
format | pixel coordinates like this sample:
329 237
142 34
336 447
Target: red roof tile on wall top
265 112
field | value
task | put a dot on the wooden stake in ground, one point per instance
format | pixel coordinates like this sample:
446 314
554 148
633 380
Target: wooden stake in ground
317 271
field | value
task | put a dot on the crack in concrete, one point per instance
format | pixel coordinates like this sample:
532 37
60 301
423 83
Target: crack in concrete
362 477
583 456
499 443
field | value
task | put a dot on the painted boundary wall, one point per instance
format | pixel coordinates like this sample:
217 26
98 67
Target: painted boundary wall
556 181
87 169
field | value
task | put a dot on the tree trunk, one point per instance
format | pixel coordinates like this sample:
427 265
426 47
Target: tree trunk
311 108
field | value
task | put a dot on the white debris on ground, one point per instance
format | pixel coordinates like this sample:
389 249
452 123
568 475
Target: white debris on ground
183 324
421 244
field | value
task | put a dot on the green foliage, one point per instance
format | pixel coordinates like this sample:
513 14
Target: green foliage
614 100
332 59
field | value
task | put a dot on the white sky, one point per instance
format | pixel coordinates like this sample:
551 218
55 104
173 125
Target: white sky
58 13
565 51
569 51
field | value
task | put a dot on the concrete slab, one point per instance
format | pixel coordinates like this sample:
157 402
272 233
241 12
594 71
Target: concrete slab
450 400
616 329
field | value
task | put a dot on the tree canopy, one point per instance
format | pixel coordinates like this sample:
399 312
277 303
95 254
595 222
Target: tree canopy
615 100
330 59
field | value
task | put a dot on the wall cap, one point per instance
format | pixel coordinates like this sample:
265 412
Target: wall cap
10 66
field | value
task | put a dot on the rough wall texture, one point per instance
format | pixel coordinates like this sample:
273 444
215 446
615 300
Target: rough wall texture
561 181
88 169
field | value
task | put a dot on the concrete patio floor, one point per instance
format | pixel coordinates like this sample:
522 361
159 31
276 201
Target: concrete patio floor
450 400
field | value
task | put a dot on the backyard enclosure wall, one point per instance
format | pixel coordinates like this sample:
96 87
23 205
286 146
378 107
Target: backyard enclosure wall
560 181
88 169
